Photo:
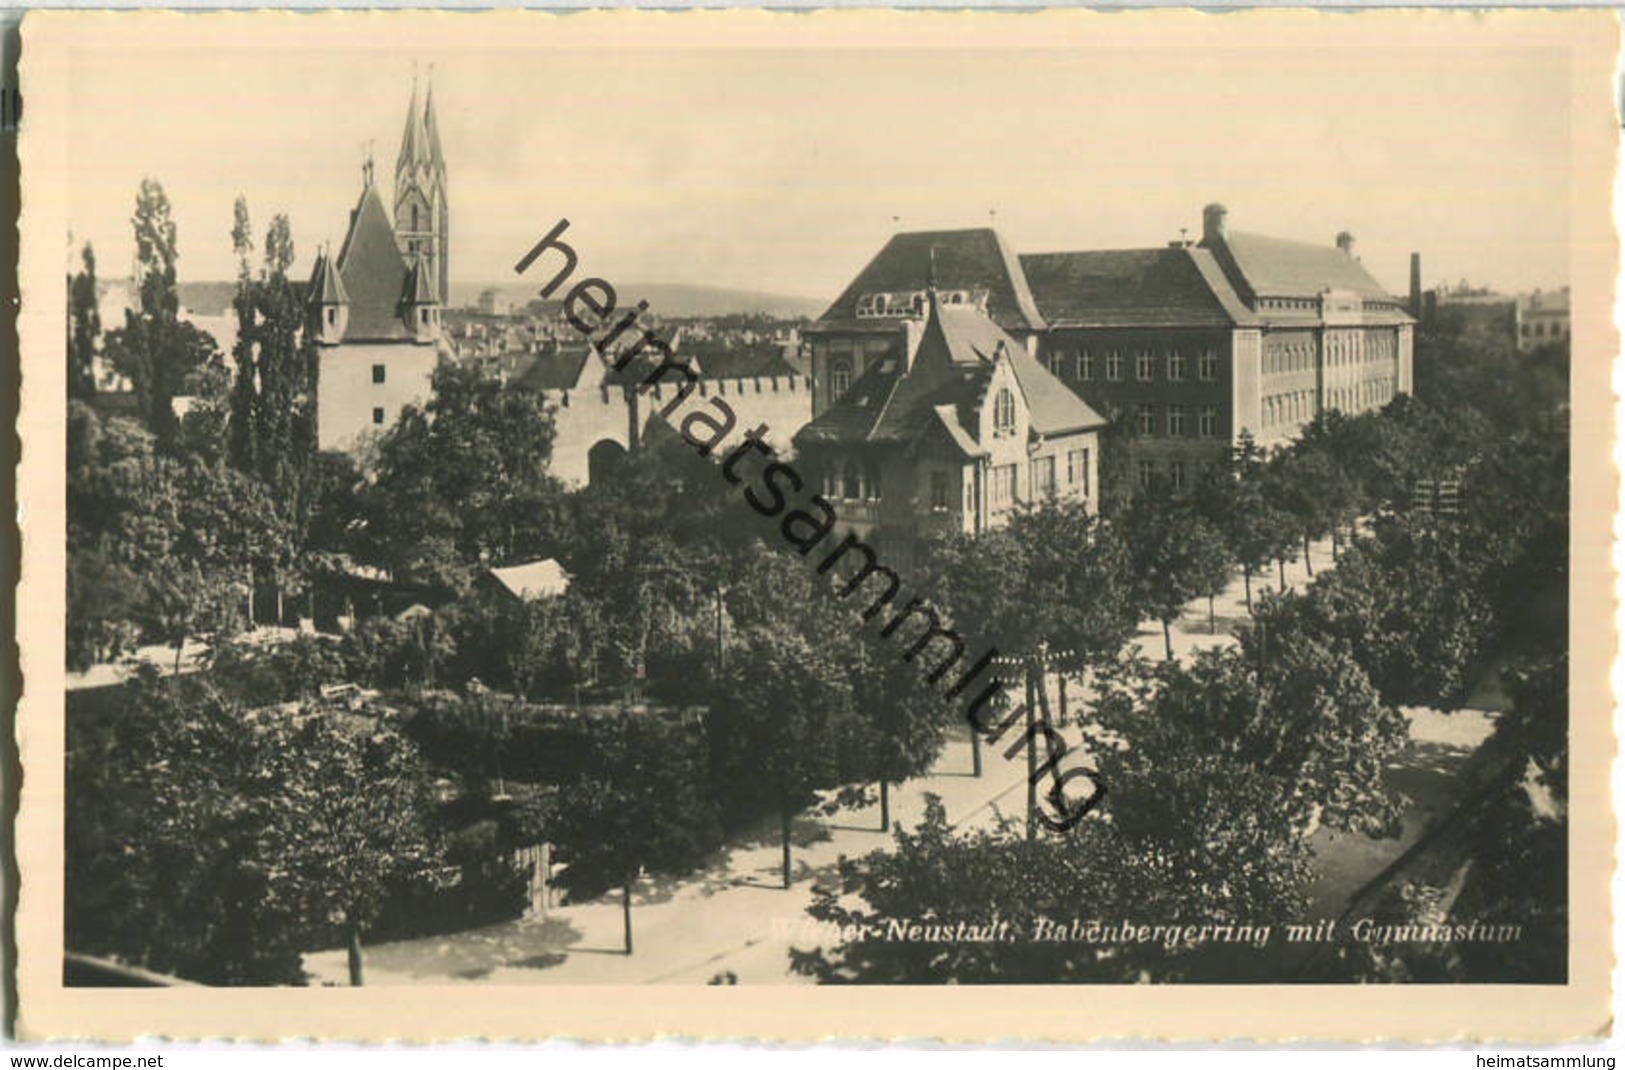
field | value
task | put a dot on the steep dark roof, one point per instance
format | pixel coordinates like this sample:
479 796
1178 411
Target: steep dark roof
373 273
1168 287
419 288
1052 407
713 361
558 368
943 388
326 287
853 417
965 259
1276 267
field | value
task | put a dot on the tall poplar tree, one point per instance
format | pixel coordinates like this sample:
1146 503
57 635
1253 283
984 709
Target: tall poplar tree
84 328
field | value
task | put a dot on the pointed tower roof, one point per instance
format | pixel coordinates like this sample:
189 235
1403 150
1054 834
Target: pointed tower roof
313 292
372 273
414 139
420 287
436 158
326 288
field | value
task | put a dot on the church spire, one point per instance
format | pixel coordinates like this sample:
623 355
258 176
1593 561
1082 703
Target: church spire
414 139
436 159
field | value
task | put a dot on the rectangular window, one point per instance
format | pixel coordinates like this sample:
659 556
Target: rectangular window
1208 366
377 373
1114 366
378 416
1207 421
1176 419
1176 474
1004 484
1146 472
1057 363
1176 367
1086 366
1144 367
941 492
1043 477
1077 470
1147 419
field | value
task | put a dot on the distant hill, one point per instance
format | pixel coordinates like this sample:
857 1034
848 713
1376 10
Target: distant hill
666 299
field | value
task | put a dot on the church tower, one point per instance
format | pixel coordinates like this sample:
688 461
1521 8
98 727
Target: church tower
422 215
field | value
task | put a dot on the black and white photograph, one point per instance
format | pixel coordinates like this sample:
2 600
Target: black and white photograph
833 504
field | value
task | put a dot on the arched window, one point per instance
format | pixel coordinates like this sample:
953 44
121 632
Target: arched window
1004 411
840 377
871 475
414 217
851 483
880 304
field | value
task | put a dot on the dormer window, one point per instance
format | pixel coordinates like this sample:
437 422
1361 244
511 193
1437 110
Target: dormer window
1004 412
840 377
851 482
880 304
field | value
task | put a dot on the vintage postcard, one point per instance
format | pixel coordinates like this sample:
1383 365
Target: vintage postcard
833 525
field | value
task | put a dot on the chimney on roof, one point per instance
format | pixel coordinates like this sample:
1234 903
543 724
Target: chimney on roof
1416 285
1213 223
1345 242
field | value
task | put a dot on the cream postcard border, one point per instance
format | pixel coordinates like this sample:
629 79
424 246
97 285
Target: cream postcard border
951 1013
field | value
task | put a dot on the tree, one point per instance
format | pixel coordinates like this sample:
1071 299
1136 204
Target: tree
463 480
1000 885
103 604
1173 553
154 348
1234 500
781 718
901 720
170 857
273 399
1498 856
1313 489
1054 578
1220 772
84 328
351 799
636 803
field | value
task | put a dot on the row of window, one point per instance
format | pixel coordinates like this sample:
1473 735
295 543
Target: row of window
853 483
1345 348
1342 348
1041 474
1294 407
1538 329
1282 357
1146 472
1173 420
1366 394
1176 366
908 304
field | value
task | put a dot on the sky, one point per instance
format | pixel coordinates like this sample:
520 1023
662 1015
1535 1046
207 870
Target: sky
784 170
